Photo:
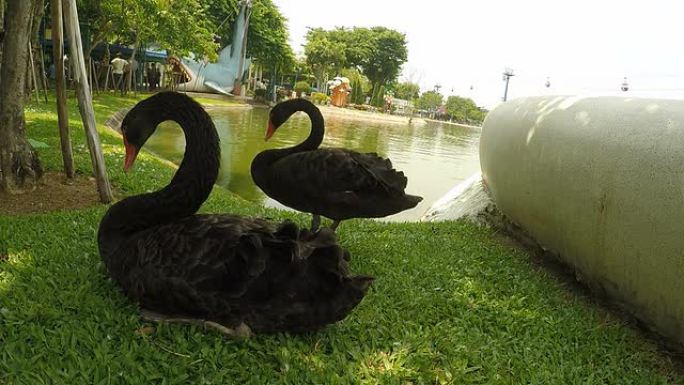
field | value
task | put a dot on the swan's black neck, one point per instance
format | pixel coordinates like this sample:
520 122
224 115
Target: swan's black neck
315 138
189 187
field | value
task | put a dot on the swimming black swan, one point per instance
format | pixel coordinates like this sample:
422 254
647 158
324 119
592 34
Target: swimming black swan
237 272
333 182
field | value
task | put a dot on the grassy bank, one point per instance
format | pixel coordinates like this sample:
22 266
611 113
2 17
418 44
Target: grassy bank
449 305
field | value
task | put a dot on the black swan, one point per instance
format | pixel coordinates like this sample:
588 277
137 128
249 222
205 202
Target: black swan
230 272
332 182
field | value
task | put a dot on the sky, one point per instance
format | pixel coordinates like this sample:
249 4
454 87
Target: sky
583 47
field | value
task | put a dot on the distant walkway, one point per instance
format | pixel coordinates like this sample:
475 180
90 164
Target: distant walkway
454 124
348 113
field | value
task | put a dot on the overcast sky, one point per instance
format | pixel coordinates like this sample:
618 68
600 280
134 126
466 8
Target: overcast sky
582 46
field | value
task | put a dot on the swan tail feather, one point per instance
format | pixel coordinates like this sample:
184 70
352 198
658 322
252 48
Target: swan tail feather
315 289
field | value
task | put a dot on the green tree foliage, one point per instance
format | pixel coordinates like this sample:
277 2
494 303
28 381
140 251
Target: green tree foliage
429 100
323 54
180 26
387 55
377 52
267 37
407 90
378 99
187 26
357 95
302 86
464 110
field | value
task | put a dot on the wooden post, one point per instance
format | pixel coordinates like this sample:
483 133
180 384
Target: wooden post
33 74
108 72
85 103
42 71
89 75
95 75
60 87
130 75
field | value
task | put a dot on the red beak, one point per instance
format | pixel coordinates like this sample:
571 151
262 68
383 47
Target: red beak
270 130
131 153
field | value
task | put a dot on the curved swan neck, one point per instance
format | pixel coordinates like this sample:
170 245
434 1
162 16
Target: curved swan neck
315 137
189 187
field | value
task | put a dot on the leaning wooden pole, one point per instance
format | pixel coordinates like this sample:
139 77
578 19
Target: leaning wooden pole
85 103
42 71
60 88
36 89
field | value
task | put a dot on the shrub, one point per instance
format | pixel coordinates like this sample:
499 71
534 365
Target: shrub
357 96
378 99
301 87
319 98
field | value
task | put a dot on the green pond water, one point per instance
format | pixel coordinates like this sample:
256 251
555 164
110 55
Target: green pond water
434 156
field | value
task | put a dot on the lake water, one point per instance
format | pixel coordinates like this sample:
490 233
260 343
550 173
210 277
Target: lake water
434 156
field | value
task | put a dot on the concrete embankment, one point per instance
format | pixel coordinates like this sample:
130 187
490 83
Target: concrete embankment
599 182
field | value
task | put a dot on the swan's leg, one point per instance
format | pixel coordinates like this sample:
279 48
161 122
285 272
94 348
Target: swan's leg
315 222
240 331
335 223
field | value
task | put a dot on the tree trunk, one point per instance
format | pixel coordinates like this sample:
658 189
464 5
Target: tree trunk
2 27
37 13
19 162
2 15
85 102
130 75
60 88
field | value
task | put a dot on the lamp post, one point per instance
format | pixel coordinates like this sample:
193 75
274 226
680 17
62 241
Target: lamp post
508 73
624 86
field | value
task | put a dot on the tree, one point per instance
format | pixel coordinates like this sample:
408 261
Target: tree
429 100
378 52
2 26
464 110
186 26
180 26
19 162
267 38
378 98
357 96
388 54
407 90
323 54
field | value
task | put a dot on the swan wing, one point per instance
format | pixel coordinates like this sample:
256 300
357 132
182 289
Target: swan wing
236 269
339 170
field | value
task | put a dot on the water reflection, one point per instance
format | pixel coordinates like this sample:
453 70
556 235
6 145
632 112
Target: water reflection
433 156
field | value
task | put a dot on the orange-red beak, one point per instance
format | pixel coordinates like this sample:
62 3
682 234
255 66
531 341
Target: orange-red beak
270 130
131 153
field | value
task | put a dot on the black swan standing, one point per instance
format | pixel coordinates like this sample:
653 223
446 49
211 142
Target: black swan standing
332 182
231 272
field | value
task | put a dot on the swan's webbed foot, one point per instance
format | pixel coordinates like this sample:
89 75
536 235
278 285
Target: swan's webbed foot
240 331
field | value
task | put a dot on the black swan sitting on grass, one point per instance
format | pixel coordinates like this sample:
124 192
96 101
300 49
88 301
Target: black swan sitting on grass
332 182
234 273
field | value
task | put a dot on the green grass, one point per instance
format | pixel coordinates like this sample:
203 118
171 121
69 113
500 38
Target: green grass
449 305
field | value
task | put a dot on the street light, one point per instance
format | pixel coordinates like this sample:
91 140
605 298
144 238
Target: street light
624 86
508 73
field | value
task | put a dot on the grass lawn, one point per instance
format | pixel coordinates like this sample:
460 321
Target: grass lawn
450 305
